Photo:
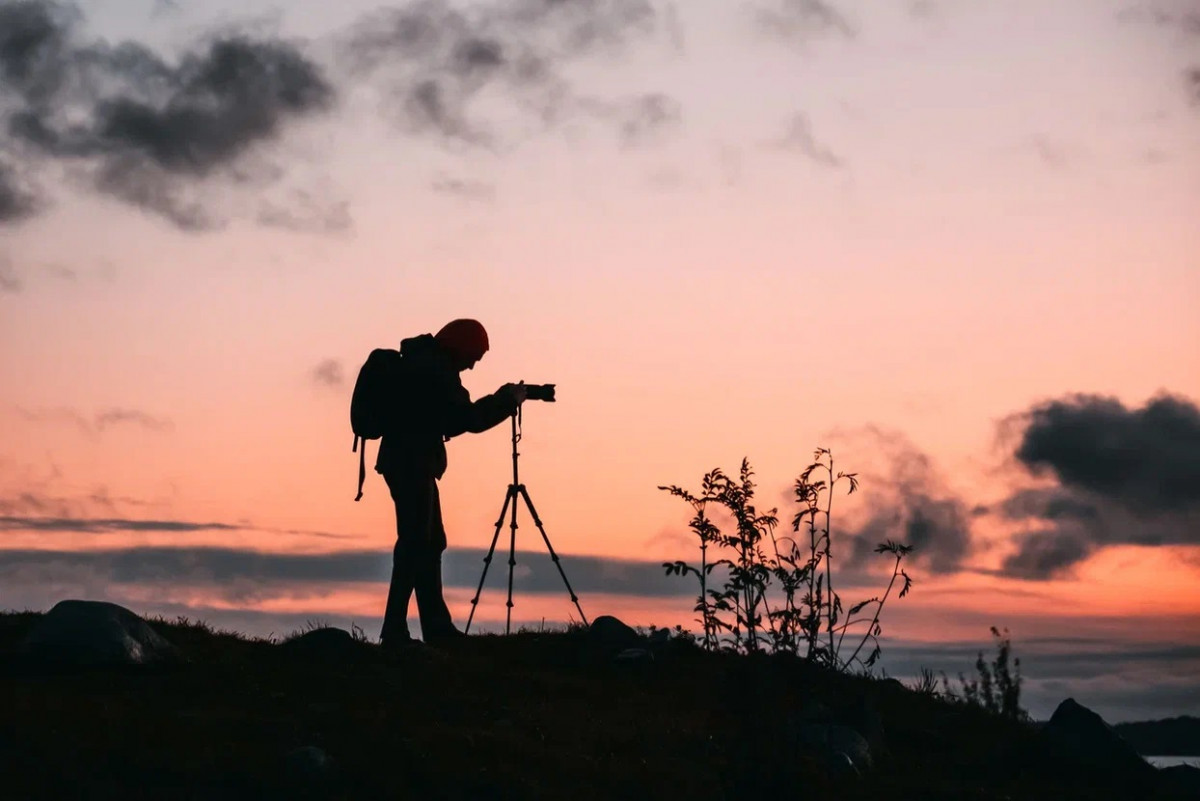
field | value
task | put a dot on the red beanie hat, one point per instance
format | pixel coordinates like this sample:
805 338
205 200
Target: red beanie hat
464 338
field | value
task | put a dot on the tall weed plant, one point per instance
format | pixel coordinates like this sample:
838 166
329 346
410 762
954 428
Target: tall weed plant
776 593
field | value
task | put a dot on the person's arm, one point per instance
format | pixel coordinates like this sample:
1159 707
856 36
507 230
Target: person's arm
461 414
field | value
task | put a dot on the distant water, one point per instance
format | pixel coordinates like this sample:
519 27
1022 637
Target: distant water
1166 762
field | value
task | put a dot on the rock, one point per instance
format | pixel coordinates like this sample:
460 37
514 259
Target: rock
831 742
1076 733
865 719
610 636
308 763
634 656
83 634
813 711
1181 781
323 644
309 772
841 765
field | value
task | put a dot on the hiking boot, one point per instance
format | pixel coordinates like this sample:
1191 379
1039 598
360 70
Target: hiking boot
446 637
398 645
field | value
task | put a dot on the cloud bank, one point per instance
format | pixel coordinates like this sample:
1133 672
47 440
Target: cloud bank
1121 476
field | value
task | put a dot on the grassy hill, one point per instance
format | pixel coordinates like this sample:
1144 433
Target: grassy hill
529 716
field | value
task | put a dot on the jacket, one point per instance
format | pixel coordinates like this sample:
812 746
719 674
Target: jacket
436 407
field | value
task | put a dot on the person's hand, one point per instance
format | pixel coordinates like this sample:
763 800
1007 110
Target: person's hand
515 391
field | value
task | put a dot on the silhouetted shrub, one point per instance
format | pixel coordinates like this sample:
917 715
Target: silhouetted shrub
782 598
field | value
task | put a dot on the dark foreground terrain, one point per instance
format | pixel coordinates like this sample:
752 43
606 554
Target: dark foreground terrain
531 716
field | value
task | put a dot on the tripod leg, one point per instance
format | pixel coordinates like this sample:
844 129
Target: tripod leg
512 558
509 497
538 522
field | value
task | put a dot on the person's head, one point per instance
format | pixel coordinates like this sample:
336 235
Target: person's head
465 340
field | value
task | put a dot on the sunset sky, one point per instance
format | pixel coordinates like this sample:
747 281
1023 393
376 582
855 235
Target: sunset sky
955 241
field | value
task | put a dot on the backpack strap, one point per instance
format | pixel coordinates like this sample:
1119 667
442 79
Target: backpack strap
362 463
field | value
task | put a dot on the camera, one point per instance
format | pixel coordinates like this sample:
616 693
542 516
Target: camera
539 392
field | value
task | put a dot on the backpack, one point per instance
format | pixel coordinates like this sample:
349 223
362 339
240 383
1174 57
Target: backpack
375 402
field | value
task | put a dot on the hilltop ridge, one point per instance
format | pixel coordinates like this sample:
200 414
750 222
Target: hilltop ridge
528 716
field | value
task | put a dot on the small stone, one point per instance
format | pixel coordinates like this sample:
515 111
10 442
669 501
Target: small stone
309 766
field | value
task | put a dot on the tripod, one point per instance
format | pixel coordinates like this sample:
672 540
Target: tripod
515 489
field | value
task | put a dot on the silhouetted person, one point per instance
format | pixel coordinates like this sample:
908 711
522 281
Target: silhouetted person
412 457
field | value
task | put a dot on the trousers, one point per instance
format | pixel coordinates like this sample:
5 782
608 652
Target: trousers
416 559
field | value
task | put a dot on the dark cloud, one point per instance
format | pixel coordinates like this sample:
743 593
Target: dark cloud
99 422
1147 459
443 66
146 130
799 138
908 502
274 573
98 525
1192 82
1123 476
1045 554
802 19
17 201
329 373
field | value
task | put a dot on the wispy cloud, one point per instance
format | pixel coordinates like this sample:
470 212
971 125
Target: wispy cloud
99 422
9 280
329 373
1181 18
802 19
465 188
1051 153
17 200
305 211
909 502
442 66
798 137
639 120
135 417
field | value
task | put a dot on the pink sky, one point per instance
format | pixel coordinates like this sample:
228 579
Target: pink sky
883 231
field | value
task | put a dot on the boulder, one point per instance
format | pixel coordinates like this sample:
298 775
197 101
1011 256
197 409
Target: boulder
1180 781
325 644
610 636
634 656
310 772
1077 734
835 745
85 634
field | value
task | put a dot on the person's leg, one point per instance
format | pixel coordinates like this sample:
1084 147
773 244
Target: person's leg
413 507
436 620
